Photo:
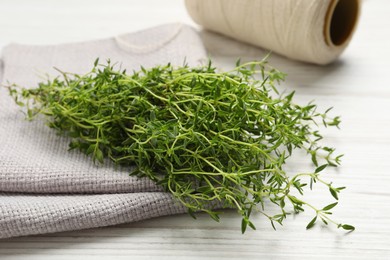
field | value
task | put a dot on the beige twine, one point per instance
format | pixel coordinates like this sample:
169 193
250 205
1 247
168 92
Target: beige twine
315 31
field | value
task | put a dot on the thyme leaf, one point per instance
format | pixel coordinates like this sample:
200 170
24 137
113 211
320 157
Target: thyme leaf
205 136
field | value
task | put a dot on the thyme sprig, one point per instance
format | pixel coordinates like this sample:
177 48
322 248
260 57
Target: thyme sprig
203 135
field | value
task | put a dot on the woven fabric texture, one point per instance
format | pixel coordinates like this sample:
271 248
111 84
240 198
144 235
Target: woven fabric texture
44 187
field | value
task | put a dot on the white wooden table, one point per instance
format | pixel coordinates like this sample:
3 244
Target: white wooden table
358 86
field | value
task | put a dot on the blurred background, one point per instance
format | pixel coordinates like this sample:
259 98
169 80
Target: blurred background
50 22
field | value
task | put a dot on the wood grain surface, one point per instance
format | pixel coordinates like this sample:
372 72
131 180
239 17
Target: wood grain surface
357 86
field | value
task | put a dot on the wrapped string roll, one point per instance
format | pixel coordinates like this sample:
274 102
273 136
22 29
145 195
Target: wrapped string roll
315 31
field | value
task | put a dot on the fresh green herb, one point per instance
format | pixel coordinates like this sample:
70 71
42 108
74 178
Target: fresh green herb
203 135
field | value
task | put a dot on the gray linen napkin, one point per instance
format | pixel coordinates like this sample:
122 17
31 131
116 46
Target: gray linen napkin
43 187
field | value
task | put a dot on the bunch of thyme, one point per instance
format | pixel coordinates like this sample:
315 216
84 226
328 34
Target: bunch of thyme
203 135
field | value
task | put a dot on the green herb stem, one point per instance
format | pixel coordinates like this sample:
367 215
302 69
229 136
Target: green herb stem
204 136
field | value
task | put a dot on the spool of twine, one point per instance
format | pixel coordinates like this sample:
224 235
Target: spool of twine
315 31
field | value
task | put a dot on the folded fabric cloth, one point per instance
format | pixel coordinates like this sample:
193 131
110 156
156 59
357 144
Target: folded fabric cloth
44 187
